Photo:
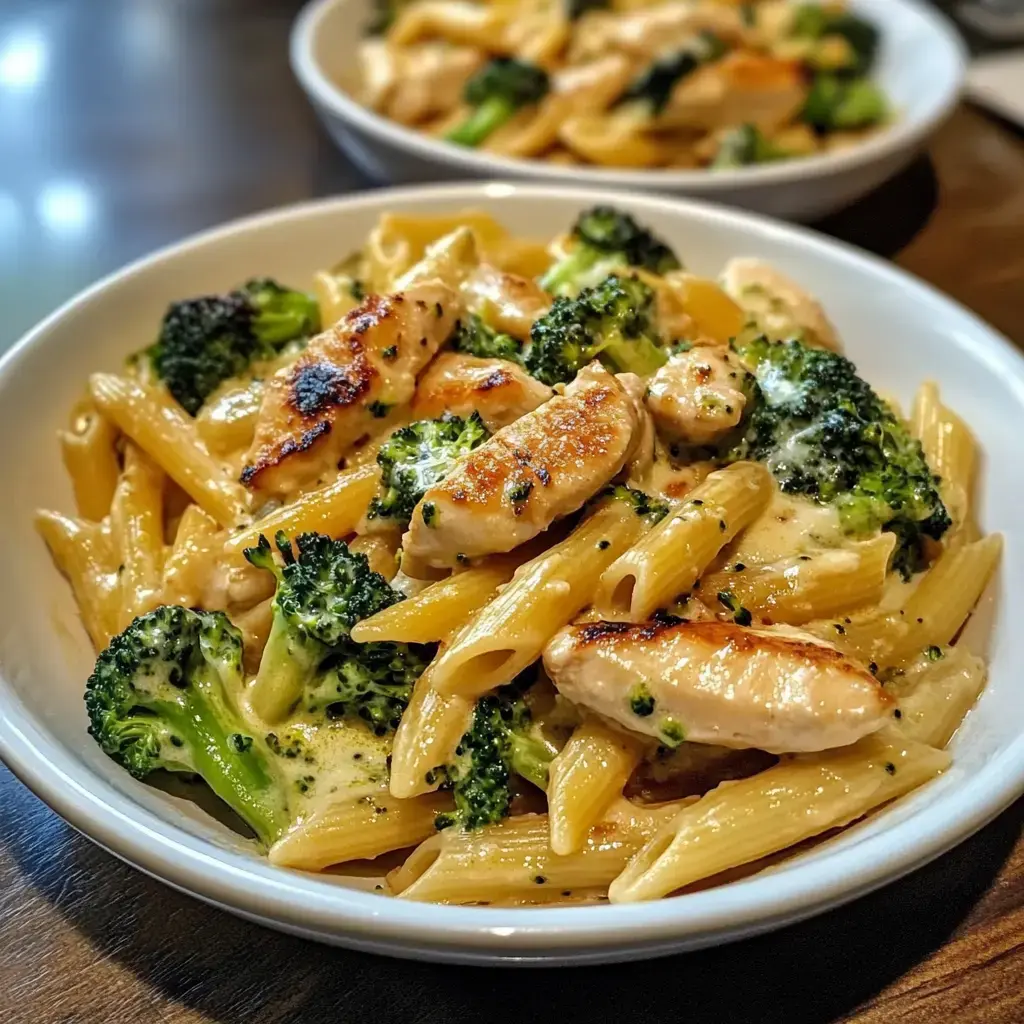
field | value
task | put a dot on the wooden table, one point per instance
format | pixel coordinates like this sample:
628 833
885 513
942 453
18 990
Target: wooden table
125 124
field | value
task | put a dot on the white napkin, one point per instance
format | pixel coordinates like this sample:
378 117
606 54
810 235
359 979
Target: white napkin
997 82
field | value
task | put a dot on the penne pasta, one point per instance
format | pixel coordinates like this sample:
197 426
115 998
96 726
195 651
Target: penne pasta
197 546
951 452
137 526
671 558
806 587
586 777
90 458
936 694
84 553
162 430
741 822
932 613
426 738
334 510
358 829
544 595
513 859
442 607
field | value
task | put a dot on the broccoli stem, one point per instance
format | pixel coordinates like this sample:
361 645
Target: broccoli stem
565 275
632 355
237 772
530 758
287 665
486 119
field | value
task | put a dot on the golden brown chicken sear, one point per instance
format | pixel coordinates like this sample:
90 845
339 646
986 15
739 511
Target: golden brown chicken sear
542 467
347 379
698 395
498 390
773 689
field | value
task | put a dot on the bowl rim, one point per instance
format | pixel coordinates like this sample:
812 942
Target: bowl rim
313 906
902 136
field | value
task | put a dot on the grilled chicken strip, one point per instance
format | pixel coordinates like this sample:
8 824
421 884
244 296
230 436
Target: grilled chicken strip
508 302
653 31
498 390
773 689
741 88
349 376
410 85
542 467
779 306
698 395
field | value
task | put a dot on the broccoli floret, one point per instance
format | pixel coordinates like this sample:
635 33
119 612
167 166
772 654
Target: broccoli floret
495 93
416 457
498 745
654 85
614 321
320 596
812 21
475 338
834 104
162 696
747 145
603 240
207 340
369 681
823 432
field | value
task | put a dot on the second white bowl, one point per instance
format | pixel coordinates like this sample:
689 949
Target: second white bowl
921 67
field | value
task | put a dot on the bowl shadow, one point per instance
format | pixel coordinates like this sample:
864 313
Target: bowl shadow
233 972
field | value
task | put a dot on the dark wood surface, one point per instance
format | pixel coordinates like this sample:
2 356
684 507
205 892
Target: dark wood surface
126 124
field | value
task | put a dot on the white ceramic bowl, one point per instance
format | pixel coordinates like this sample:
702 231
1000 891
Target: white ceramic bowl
921 67
896 328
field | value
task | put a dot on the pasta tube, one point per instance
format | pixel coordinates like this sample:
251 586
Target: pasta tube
545 594
358 830
513 859
951 451
381 550
670 559
84 554
163 431
90 460
803 588
585 778
741 822
443 607
137 525
197 546
934 698
334 510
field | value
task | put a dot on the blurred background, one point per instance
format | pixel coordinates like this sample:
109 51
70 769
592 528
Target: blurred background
128 124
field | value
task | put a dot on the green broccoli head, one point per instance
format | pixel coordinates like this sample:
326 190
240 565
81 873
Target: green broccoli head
498 745
639 501
475 338
604 240
614 321
208 340
654 85
813 21
372 682
836 104
163 696
418 456
383 14
496 92
823 432
746 145
321 594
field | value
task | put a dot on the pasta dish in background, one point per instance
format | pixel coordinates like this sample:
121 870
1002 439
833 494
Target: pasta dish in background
573 574
626 83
